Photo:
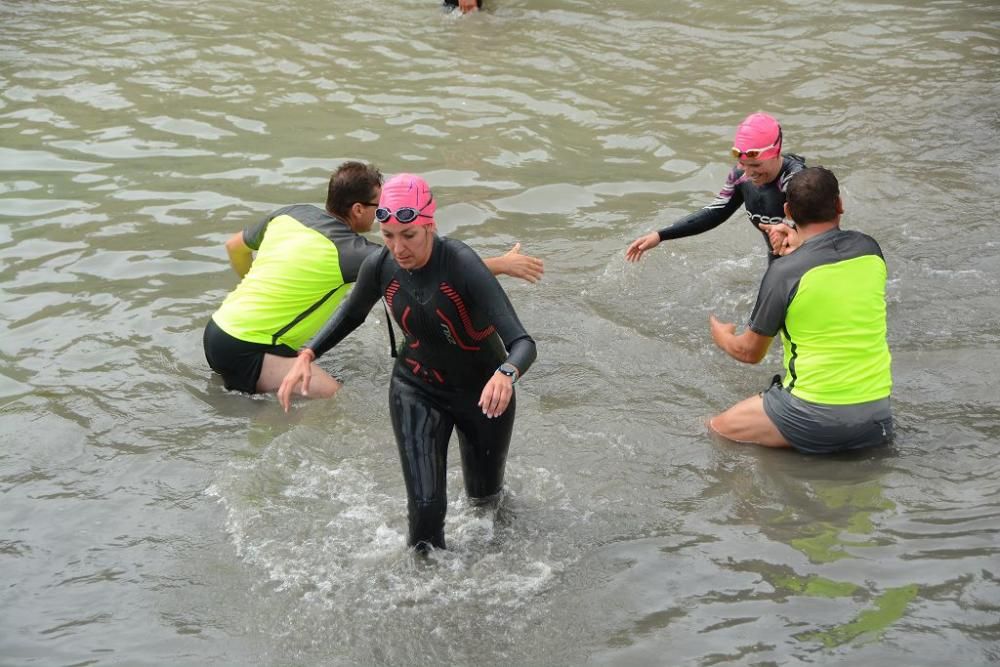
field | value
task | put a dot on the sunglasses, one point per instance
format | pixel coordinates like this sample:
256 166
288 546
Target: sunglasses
404 214
754 153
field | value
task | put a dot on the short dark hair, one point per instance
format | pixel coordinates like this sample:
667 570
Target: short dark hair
352 182
812 195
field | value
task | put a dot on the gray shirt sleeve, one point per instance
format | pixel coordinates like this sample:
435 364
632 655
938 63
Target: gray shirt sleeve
768 316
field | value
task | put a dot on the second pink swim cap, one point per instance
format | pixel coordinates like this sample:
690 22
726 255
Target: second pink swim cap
759 130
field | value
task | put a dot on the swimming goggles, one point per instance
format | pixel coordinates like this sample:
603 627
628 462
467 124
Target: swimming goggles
754 153
405 214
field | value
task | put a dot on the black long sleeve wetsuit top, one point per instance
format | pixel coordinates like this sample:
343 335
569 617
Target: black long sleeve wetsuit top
458 323
764 204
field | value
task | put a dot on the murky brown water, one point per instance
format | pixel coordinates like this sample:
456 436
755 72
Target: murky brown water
148 517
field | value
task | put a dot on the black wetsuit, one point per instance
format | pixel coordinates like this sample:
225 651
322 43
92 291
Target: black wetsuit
763 204
458 328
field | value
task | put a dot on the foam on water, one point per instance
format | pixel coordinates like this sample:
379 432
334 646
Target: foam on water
330 534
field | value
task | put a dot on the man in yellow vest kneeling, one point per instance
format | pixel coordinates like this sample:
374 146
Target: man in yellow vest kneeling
826 297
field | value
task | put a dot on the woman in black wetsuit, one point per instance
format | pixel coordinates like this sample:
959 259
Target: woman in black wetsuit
463 350
757 182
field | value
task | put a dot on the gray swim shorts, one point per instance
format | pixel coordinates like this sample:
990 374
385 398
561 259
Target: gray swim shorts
814 428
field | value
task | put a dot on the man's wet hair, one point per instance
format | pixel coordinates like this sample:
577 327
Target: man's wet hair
352 182
812 195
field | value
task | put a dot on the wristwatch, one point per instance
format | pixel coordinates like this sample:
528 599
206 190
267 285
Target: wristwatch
510 370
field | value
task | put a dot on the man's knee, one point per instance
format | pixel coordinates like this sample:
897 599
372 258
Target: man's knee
714 424
725 424
747 423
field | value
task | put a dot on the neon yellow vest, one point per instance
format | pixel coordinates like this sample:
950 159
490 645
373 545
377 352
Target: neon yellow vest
836 321
293 286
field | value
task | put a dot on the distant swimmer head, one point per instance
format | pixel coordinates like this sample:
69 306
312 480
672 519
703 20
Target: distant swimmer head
758 137
408 199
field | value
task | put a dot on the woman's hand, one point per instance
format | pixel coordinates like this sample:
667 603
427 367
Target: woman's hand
781 236
641 245
496 395
300 372
792 241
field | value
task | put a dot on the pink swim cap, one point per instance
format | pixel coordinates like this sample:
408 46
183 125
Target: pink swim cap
408 191
758 130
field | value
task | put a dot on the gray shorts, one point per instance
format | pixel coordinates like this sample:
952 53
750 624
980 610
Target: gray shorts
815 428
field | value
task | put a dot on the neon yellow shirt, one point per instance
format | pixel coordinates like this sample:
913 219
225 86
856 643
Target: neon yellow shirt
827 299
305 264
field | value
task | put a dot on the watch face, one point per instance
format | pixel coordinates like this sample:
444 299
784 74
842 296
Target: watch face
508 369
